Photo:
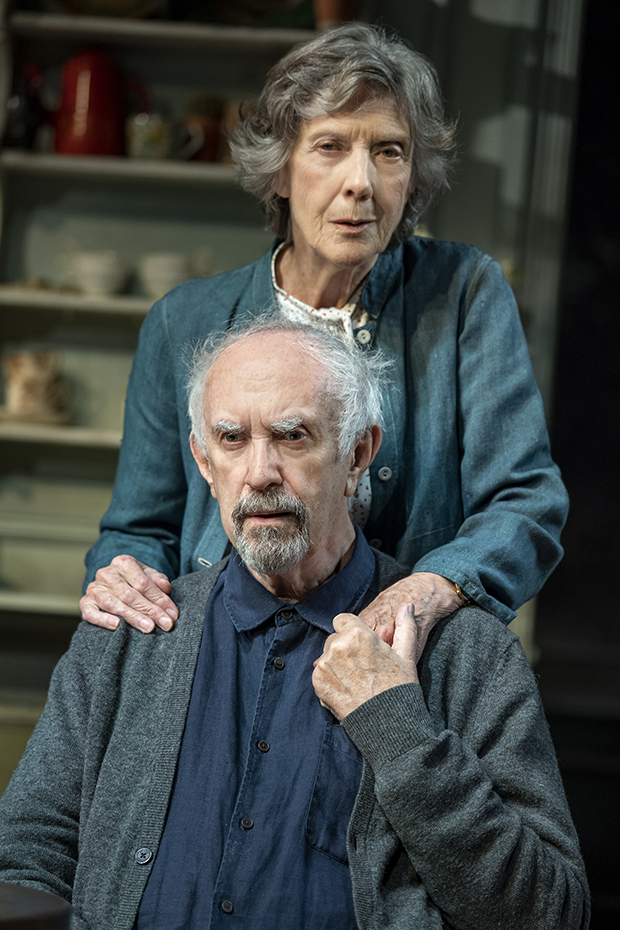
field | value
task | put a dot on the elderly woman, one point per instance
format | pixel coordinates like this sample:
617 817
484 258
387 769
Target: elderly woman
345 148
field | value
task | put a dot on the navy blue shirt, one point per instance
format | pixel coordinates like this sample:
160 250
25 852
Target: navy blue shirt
255 835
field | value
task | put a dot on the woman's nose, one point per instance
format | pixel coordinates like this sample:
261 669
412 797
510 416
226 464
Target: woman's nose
359 174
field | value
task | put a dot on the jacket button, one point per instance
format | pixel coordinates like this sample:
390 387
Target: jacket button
263 745
279 663
384 473
227 907
247 823
143 855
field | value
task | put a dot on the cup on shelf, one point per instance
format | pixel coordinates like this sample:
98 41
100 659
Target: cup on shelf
153 136
99 273
161 271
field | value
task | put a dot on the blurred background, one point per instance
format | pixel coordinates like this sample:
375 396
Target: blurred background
95 227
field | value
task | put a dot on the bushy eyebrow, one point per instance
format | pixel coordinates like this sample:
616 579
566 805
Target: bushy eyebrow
289 423
226 426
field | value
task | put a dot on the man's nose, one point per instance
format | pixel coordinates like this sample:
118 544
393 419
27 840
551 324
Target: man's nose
263 466
359 177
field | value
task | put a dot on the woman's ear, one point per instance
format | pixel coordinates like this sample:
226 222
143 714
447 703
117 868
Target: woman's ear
363 455
282 183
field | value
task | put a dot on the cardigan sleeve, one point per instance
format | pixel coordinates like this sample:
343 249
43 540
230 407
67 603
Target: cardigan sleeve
476 800
40 809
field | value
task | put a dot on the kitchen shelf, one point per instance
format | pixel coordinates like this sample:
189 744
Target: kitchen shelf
49 26
117 169
28 602
30 299
60 435
84 531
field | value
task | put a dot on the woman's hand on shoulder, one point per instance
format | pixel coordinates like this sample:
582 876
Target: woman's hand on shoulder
432 596
129 590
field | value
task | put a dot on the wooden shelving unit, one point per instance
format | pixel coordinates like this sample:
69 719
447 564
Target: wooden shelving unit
31 180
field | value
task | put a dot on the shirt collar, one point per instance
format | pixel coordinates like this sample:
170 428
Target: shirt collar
249 604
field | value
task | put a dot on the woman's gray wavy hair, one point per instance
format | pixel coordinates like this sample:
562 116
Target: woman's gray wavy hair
354 377
330 73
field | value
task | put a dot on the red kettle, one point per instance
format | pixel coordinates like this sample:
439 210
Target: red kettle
90 120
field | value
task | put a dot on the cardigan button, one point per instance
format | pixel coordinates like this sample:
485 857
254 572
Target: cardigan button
384 473
143 855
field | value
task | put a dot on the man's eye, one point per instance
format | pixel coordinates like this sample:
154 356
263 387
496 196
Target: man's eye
231 437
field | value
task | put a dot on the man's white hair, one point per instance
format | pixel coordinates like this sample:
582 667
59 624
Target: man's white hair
354 382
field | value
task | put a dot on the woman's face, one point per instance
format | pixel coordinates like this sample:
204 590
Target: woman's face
347 182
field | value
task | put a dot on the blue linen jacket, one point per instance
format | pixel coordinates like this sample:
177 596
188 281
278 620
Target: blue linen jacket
463 484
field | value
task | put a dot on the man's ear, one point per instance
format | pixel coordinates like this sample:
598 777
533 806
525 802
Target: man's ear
363 455
202 462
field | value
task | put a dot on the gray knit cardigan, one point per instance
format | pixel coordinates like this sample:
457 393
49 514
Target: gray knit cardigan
460 820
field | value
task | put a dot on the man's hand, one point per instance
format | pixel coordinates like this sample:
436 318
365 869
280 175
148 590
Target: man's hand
356 664
432 596
131 590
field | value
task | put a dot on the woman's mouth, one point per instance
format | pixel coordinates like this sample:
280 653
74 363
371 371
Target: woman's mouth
353 226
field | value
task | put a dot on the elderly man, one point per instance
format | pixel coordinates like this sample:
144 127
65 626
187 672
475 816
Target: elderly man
200 778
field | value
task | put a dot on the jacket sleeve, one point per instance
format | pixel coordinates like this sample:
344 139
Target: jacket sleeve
40 809
478 805
146 513
513 502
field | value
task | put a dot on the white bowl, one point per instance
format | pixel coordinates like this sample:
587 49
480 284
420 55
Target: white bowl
99 273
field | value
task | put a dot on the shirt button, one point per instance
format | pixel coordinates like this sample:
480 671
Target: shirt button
375 543
279 663
384 473
247 823
287 614
143 855
263 745
227 906
363 337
